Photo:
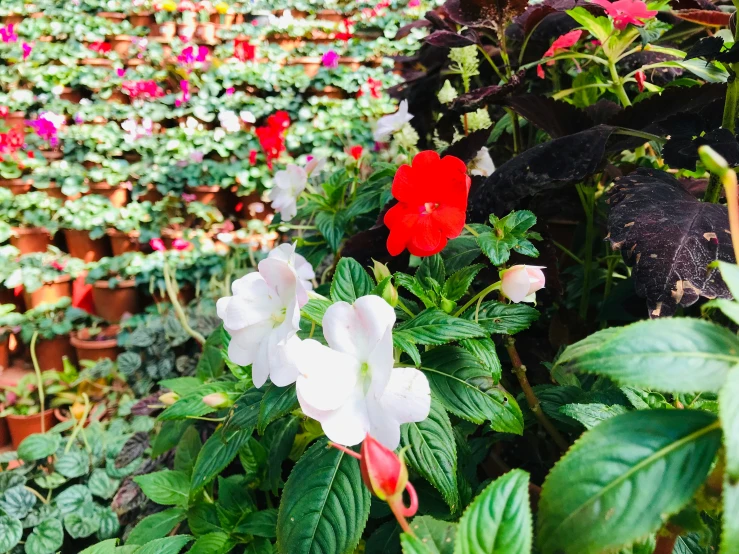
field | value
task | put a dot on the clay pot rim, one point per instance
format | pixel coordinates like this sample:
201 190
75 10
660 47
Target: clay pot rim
13 417
29 231
125 284
104 186
91 344
206 188
111 232
17 181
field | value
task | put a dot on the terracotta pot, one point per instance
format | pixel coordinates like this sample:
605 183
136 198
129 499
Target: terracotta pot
253 207
152 195
4 355
185 295
225 20
71 95
52 155
205 32
97 62
15 118
56 192
141 19
117 195
30 239
51 353
49 292
287 42
13 19
120 45
123 242
353 63
92 348
4 433
331 15
311 65
8 296
22 426
80 245
115 17
166 30
330 92
17 186
112 304
212 195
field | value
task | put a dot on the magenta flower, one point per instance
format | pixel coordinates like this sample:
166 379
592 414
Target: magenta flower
202 53
7 33
625 12
230 91
185 87
120 72
188 197
330 59
157 244
27 48
414 3
47 126
180 244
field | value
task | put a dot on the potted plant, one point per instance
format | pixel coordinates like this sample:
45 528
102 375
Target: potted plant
46 276
10 321
22 405
165 20
32 220
9 256
125 226
84 222
113 279
111 180
16 170
96 342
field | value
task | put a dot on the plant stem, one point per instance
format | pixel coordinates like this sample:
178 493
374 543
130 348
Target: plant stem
533 401
618 85
588 200
172 294
713 190
564 249
403 307
479 296
39 380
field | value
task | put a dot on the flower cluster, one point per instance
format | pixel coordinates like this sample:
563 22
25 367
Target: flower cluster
244 51
373 86
12 141
330 59
185 93
135 131
561 43
142 90
191 54
47 127
272 136
7 33
625 12
100 47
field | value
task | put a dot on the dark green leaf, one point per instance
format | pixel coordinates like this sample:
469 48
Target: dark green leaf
406 345
503 319
435 327
460 252
218 451
277 402
245 412
331 226
166 487
167 545
431 268
484 350
260 524
437 536
456 286
211 364
591 415
156 526
350 281
169 436
315 308
212 543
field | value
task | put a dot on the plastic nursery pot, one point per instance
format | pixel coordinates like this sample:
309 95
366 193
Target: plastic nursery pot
15 118
141 19
97 347
30 239
212 195
97 62
123 242
205 32
17 186
113 303
52 155
117 195
50 293
21 427
185 295
71 95
120 45
80 245
51 352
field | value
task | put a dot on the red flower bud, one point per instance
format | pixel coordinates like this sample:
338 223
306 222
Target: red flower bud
382 471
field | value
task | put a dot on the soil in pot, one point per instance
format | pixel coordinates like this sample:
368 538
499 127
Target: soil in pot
117 195
30 239
22 426
123 242
113 304
51 352
17 186
80 245
96 347
49 292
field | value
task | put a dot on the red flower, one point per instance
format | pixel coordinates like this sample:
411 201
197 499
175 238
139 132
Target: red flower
561 43
4 111
253 157
432 201
641 78
624 12
356 152
279 120
100 47
243 51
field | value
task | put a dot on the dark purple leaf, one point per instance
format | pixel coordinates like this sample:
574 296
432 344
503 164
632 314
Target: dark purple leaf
128 498
729 56
555 117
467 147
554 164
704 17
488 95
669 238
682 150
693 5
146 406
405 30
448 39
707 48
484 13
659 75
132 449
535 13
602 111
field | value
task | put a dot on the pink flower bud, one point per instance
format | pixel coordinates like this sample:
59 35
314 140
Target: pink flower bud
169 398
521 281
217 400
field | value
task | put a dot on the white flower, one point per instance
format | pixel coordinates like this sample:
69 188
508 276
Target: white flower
389 124
229 121
247 117
289 183
226 238
218 134
351 388
302 268
262 317
14 279
482 164
315 165
520 282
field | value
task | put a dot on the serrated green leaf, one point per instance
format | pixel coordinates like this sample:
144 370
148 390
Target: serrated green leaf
38 446
432 267
211 363
169 435
156 526
167 545
456 286
11 531
591 415
406 345
350 281
277 402
668 355
324 504
46 538
499 520
218 451
80 526
187 451
104 547
278 439
331 226
182 385
212 543
260 524
192 405
484 350
434 327
244 414
633 471
432 452
385 539
497 249
466 389
414 286
259 545
460 252
728 401
414 545
166 487
503 319
314 310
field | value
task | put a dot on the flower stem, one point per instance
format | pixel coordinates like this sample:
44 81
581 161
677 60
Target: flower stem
479 296
403 307
39 380
618 86
533 401
172 293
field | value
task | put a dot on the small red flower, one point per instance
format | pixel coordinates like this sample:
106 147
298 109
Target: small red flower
356 152
4 111
560 43
279 120
253 157
244 51
432 201
624 12
100 47
157 244
641 78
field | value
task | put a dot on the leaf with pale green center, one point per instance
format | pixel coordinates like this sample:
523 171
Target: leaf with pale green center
46 538
74 499
102 485
156 526
17 501
72 464
110 526
38 446
80 526
11 531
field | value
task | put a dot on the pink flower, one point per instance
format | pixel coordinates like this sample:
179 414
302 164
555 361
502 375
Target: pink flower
196 156
185 87
27 48
330 59
202 53
520 282
7 33
157 244
188 197
186 56
56 264
180 244
641 78
47 126
624 12
120 72
561 43
414 3
10 397
230 91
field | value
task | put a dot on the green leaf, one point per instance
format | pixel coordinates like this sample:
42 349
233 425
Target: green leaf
166 487
730 275
708 71
314 310
218 451
156 526
212 543
600 27
11 531
109 525
432 267
432 452
74 499
406 345
728 401
234 501
80 526
167 545
324 505
498 249
503 319
484 350
102 485
466 389
50 481
104 547
46 538
259 545
192 405
669 355
730 528
499 520
38 446
245 412
17 502
350 281
169 436
414 545
72 464
385 539
182 385
632 472
414 286
591 415
437 536
456 286
260 524
434 327
460 252
331 226
211 363
188 450
277 402
279 439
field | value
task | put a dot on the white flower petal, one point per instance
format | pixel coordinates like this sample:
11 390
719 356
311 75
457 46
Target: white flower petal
327 378
357 330
349 424
407 396
284 366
